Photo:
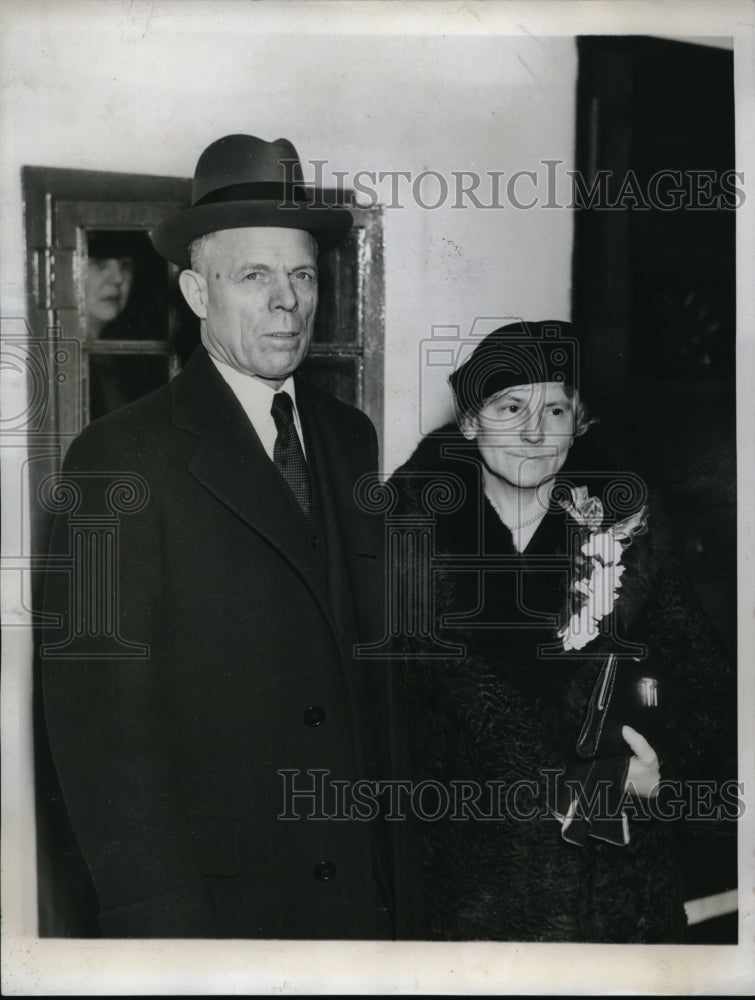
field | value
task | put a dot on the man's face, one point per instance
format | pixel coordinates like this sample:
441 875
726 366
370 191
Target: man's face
108 286
524 433
260 297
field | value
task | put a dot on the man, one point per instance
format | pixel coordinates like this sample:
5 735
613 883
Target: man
245 575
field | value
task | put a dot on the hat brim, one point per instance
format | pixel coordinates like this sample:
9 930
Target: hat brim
171 237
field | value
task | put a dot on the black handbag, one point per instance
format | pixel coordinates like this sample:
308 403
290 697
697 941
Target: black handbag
626 693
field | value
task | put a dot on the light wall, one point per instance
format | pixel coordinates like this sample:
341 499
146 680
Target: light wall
134 87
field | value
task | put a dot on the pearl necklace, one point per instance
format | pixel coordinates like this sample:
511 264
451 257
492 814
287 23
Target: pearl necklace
514 527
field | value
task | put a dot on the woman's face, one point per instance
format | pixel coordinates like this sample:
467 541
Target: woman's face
524 433
107 288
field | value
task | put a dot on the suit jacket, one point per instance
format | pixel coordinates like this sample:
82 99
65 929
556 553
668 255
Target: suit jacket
223 657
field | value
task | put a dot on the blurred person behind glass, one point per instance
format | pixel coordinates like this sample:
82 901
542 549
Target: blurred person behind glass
125 299
111 265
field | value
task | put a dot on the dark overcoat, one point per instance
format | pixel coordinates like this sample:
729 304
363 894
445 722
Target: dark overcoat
223 657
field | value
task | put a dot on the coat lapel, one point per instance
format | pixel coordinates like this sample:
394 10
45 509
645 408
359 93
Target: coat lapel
350 535
341 461
231 463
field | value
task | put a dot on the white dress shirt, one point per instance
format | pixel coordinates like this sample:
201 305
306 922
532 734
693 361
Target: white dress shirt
256 398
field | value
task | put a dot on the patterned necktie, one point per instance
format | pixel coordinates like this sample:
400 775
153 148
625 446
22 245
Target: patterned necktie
288 454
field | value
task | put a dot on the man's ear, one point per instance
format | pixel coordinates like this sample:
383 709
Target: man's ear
194 289
469 427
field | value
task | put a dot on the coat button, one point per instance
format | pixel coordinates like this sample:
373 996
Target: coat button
324 870
314 715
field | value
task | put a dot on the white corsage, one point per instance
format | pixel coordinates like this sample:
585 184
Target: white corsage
597 572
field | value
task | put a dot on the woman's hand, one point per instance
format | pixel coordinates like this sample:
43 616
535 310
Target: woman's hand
644 772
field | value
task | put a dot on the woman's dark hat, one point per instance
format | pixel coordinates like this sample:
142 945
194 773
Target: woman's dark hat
243 181
520 353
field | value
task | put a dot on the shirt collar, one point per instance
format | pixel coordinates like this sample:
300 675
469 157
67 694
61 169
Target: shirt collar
254 390
256 399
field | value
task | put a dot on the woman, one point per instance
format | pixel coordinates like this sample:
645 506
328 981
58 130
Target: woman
125 299
553 577
110 275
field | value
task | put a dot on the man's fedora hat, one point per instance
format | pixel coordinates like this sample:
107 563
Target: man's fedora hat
243 181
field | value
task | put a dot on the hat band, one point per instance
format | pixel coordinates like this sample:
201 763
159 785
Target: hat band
286 194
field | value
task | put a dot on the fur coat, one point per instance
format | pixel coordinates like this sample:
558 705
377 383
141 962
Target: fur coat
505 712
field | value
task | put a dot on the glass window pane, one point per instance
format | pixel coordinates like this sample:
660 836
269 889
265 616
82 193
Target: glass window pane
126 286
339 376
117 379
337 318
